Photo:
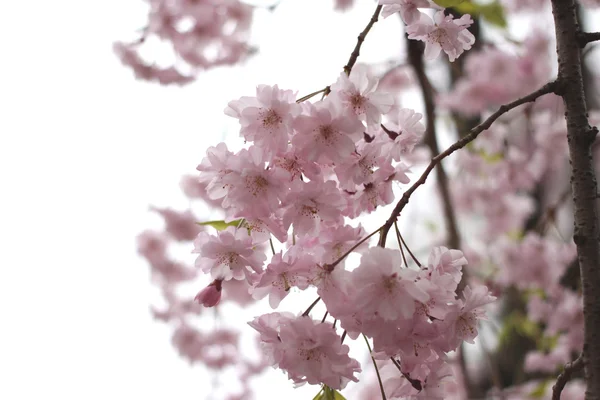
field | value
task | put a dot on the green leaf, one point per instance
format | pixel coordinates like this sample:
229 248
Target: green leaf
448 3
540 390
221 225
494 14
319 395
328 393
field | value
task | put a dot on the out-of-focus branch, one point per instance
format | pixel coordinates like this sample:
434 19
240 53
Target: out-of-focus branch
415 57
564 377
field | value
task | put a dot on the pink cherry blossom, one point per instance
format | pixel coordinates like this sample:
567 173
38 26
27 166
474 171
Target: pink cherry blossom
325 134
461 324
229 255
309 205
442 33
314 354
407 131
358 95
384 288
283 273
409 9
267 118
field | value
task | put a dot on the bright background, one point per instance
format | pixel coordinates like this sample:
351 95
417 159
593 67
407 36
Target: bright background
85 149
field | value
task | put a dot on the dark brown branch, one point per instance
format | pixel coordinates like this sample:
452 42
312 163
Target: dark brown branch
415 57
564 377
586 37
472 135
580 137
361 39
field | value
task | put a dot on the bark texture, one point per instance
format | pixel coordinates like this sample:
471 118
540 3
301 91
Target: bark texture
583 183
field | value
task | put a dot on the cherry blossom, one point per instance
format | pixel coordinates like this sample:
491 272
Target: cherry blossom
229 255
442 33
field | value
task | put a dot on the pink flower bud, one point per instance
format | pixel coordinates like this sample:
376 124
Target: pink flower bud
210 295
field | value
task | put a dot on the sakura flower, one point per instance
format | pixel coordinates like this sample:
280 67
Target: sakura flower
213 168
229 255
253 190
461 324
283 273
361 165
325 134
314 354
405 133
442 33
266 119
308 205
358 96
384 288
409 9
378 192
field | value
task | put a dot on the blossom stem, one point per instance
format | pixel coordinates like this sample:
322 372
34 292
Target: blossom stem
314 303
325 316
272 247
308 96
336 262
400 243
408 249
376 369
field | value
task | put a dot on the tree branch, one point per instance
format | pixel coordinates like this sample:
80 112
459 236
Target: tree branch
564 377
586 37
580 137
472 135
415 56
361 39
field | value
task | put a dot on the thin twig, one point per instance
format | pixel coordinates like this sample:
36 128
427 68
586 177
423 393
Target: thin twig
564 376
409 252
361 39
331 266
472 135
376 369
400 243
314 303
308 96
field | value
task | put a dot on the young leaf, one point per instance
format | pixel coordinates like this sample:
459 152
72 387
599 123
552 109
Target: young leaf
448 3
220 225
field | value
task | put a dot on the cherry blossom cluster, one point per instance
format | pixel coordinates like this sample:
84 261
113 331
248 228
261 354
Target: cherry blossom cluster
309 167
203 34
293 195
442 32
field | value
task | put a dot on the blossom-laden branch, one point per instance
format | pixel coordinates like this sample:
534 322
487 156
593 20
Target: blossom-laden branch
472 135
360 40
564 376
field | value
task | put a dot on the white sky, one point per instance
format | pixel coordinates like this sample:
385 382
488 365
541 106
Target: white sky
84 150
